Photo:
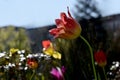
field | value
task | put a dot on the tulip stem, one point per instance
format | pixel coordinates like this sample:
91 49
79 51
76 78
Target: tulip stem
42 77
104 73
32 75
92 58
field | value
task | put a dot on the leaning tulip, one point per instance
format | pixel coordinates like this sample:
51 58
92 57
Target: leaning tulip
67 27
100 58
48 49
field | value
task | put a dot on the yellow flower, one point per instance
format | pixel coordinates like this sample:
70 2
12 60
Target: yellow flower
13 51
50 50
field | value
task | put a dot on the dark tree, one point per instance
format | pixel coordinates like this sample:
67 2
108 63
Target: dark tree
86 9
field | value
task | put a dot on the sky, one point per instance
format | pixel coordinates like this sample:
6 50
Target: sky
36 13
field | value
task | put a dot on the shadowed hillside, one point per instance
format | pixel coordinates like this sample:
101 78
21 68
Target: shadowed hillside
104 30
37 35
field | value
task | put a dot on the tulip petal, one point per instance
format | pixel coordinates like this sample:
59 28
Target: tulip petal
63 18
49 51
59 23
46 43
56 32
57 55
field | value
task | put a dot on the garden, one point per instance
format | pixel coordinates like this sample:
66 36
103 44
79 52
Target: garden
72 54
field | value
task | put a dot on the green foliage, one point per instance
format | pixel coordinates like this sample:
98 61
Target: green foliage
76 57
11 37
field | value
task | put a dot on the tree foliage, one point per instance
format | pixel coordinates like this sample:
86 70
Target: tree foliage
11 37
86 9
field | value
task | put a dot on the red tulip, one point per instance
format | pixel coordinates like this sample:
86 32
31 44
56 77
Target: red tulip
67 27
100 58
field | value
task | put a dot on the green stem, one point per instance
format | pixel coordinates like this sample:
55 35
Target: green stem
99 78
92 58
42 77
32 75
104 73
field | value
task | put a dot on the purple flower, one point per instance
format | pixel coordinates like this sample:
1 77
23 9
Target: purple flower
58 73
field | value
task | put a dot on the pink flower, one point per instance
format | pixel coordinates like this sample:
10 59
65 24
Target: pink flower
67 27
58 73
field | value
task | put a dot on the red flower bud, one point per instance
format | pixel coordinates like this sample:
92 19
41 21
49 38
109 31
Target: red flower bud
100 58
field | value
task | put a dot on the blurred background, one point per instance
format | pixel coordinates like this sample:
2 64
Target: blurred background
31 14
26 22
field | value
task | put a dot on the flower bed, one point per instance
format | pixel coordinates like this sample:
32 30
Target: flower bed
69 56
